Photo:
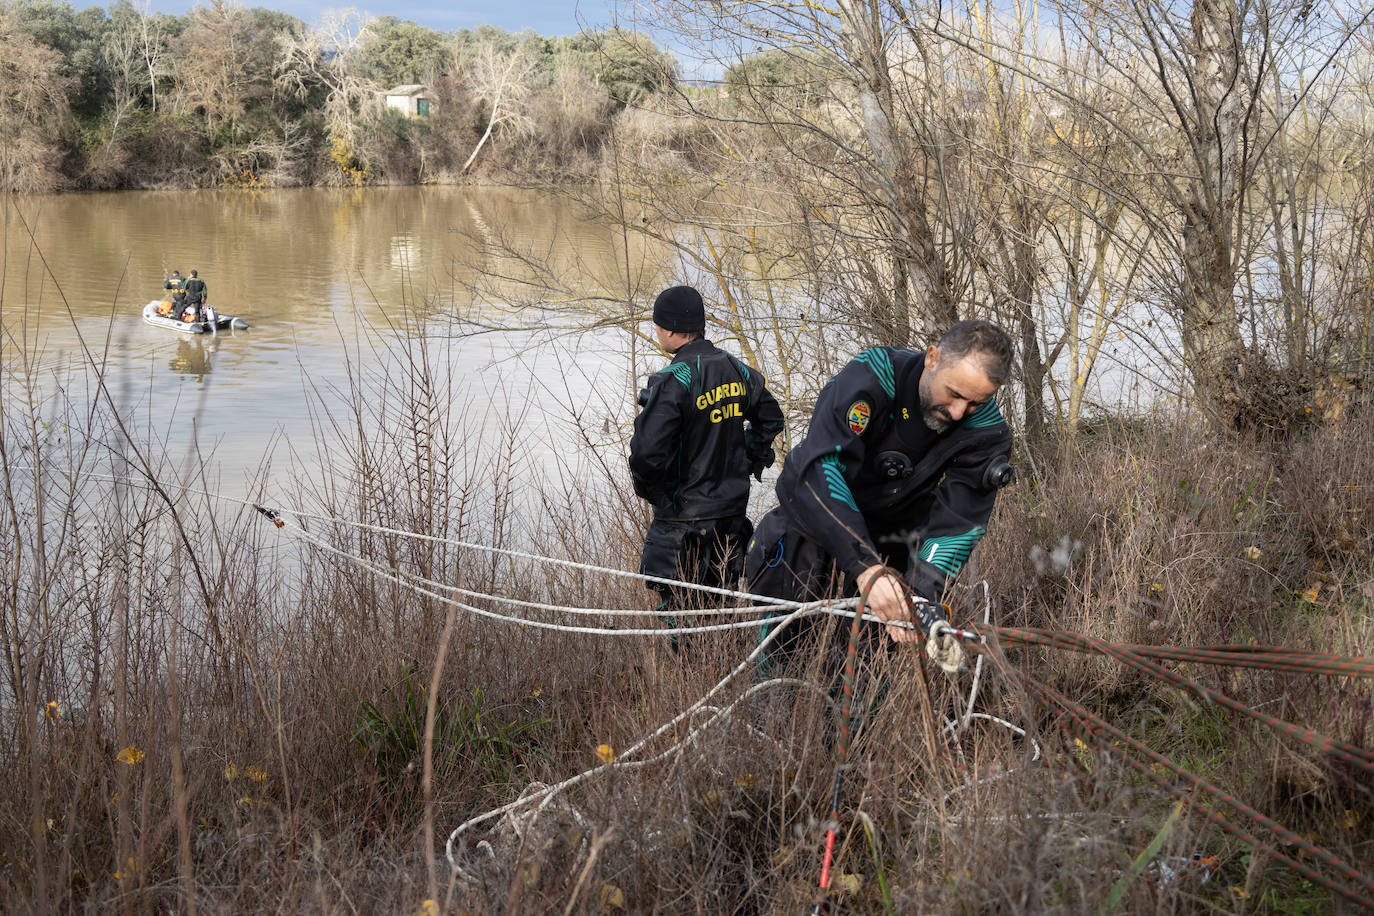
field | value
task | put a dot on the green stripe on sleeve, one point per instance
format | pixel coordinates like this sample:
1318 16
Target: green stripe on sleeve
987 415
834 476
682 372
949 553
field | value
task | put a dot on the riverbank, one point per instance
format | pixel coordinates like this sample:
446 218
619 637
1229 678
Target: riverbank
230 97
194 727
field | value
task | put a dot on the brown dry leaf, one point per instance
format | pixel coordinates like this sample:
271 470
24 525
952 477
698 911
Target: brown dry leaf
612 897
848 883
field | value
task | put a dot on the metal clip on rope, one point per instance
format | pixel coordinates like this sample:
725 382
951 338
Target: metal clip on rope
926 615
271 514
942 646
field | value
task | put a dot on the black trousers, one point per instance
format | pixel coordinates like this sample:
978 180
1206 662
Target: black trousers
783 563
701 551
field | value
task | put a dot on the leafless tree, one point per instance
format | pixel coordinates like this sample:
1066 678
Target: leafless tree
500 79
1198 97
210 63
124 59
327 56
875 141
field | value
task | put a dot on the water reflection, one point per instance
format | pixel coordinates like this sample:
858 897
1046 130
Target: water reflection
192 359
405 253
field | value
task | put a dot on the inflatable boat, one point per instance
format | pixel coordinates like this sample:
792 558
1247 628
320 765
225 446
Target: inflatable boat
221 322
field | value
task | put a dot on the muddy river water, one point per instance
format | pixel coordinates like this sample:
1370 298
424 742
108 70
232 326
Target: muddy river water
327 280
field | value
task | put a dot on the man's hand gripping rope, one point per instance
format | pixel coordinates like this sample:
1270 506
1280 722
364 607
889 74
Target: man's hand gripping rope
911 618
883 593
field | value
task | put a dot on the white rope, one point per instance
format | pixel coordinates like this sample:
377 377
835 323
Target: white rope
953 726
769 608
761 603
764 604
978 665
614 612
552 561
798 608
547 794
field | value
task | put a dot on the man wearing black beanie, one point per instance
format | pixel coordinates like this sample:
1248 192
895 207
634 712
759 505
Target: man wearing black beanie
707 423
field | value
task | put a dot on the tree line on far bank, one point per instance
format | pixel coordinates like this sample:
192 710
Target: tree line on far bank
122 98
1178 195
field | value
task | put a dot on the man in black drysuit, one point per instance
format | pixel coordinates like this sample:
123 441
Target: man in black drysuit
707 422
195 295
892 486
177 284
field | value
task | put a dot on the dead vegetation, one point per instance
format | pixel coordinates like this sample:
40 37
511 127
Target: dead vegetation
193 726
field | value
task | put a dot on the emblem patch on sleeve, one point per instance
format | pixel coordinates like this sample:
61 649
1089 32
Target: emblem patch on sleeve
858 417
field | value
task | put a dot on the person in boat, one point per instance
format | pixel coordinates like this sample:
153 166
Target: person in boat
707 422
891 488
195 296
177 284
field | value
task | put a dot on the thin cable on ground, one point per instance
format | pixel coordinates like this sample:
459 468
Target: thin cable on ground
624 760
1342 750
1269 658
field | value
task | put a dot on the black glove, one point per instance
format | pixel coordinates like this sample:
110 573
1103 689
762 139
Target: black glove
760 460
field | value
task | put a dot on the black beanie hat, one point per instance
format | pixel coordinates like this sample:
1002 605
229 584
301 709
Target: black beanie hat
679 308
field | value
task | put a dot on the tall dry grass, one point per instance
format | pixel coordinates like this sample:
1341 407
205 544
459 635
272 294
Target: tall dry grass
203 714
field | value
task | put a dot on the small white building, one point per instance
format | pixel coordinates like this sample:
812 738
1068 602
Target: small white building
412 100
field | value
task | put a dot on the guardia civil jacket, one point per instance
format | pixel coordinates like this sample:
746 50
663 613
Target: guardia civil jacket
871 483
707 422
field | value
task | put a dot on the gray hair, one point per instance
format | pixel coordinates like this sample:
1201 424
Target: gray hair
981 339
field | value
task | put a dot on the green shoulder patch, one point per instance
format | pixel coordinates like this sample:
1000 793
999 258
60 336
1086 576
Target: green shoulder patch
680 371
878 360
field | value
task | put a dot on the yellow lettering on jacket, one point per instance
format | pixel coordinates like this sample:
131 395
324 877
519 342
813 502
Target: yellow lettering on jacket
728 390
726 412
